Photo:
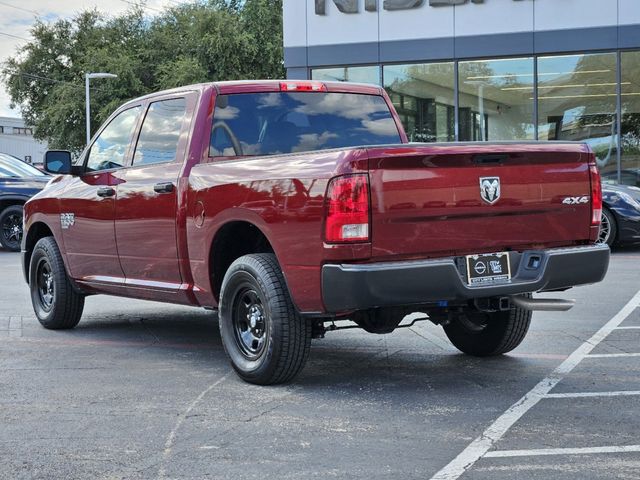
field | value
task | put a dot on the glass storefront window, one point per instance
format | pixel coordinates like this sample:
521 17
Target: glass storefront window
424 97
496 100
348 74
630 141
577 101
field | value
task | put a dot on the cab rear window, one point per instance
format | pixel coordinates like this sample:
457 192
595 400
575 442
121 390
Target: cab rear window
279 123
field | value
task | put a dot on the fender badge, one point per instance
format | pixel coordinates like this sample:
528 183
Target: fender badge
67 220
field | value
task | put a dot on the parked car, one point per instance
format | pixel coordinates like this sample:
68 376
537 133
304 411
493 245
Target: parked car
620 215
19 181
289 205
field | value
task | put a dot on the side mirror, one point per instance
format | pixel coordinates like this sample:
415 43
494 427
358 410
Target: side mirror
58 162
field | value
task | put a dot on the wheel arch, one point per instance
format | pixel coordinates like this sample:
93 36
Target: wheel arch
37 231
10 200
231 241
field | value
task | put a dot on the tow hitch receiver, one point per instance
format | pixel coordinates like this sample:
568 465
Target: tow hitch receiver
543 304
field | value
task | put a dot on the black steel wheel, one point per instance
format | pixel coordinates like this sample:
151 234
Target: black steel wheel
249 322
263 335
55 301
484 334
608 228
11 227
45 284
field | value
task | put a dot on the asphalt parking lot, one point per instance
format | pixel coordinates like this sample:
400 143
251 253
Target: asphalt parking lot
143 390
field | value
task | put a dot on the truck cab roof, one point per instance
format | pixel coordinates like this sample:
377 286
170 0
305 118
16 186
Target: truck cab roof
256 86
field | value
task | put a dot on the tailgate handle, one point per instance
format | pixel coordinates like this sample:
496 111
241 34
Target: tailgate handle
489 158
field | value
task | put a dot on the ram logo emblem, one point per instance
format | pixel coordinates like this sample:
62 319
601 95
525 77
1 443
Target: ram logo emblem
490 189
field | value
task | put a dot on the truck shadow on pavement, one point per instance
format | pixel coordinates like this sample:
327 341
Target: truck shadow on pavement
356 360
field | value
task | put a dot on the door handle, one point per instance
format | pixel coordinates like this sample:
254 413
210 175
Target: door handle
106 192
163 187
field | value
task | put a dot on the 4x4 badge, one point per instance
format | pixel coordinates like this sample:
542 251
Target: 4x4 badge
490 189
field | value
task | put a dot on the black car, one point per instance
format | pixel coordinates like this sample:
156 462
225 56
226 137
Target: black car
19 181
620 215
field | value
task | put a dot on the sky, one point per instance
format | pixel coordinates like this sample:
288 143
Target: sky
17 17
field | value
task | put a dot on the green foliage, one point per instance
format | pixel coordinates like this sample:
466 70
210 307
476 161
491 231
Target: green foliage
196 42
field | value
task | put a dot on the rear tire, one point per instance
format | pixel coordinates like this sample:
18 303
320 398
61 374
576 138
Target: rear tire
11 228
484 334
55 302
264 337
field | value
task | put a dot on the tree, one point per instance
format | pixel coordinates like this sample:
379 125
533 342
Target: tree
198 42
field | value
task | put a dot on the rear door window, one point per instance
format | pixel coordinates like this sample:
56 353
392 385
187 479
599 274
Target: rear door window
289 122
160 132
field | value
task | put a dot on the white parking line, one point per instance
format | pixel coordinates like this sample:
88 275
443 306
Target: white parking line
481 445
181 418
629 328
622 393
562 451
613 355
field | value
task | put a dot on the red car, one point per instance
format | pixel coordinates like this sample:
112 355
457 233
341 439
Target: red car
289 205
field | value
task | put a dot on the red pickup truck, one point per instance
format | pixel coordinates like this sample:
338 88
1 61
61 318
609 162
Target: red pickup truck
289 205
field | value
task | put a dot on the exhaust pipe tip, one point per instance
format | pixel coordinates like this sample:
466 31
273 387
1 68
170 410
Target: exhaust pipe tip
543 304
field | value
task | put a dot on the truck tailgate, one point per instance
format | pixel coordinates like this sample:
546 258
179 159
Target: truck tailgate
427 200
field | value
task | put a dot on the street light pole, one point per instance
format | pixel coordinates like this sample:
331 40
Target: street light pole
87 77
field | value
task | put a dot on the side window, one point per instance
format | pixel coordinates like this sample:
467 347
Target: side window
160 132
110 148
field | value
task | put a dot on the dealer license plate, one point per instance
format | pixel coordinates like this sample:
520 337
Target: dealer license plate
488 268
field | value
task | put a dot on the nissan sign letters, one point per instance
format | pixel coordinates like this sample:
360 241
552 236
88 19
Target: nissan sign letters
351 6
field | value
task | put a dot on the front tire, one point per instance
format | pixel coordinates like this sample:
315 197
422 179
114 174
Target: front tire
608 228
264 337
484 334
11 228
55 302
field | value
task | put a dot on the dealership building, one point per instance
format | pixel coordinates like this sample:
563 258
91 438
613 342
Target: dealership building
486 70
16 139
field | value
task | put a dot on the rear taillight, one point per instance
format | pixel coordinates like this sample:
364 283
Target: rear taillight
347 209
596 196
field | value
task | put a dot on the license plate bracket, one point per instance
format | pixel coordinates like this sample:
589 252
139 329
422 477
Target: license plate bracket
488 268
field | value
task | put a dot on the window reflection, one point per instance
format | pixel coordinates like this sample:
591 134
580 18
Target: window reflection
423 95
110 148
496 100
158 141
630 162
577 101
348 74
